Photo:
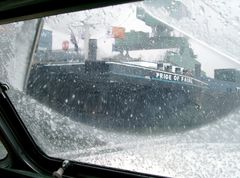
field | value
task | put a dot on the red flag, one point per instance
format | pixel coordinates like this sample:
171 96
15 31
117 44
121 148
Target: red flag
118 32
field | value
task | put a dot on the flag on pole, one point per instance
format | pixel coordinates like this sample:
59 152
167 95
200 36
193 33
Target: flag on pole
74 41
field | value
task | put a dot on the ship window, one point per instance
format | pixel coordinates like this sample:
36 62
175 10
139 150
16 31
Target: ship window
90 86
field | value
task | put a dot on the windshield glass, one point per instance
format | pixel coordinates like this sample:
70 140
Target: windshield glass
152 86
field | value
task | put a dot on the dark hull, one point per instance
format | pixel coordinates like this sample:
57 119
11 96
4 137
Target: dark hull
119 96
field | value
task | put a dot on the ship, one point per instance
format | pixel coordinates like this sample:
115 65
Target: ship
129 93
123 95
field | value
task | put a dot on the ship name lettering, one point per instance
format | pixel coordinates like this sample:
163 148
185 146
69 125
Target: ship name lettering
171 77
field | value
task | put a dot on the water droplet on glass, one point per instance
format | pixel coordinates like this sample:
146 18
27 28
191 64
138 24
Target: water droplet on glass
202 11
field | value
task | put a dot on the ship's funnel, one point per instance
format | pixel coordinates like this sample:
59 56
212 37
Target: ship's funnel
92 50
197 70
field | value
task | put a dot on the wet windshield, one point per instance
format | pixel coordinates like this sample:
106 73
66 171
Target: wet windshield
152 86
